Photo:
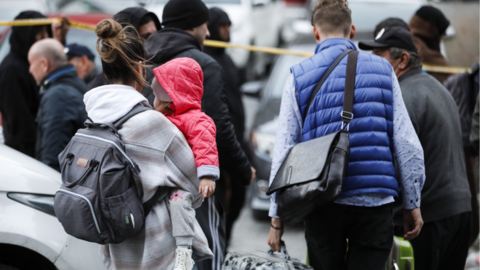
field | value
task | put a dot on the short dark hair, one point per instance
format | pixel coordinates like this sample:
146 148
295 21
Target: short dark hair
332 16
390 22
146 19
415 59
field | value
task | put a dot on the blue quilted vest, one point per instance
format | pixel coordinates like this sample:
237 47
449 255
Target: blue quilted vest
370 168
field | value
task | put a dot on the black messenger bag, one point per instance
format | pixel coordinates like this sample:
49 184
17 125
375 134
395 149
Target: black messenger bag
312 173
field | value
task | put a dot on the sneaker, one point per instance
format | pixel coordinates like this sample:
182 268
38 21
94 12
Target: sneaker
183 259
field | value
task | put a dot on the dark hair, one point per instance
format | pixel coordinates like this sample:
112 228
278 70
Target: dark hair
146 19
332 16
390 22
121 51
415 59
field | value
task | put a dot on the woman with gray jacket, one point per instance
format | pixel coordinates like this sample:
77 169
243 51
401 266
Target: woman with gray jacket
157 146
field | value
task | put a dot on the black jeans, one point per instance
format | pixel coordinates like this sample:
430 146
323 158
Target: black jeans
369 231
442 244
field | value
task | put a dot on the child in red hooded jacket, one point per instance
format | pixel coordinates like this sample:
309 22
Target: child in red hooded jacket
178 90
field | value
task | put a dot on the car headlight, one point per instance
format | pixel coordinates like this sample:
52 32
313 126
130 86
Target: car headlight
42 203
264 143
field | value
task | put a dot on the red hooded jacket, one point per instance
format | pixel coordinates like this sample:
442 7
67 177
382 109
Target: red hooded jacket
182 79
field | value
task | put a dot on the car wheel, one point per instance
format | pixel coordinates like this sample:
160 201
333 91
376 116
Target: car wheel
13 257
7 267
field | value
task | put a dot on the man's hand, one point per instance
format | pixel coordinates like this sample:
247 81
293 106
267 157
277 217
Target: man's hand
60 30
207 187
412 218
275 236
254 175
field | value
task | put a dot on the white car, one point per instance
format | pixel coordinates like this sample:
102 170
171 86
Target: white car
254 22
30 235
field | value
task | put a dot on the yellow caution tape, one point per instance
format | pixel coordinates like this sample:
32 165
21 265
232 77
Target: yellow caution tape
30 22
219 44
445 69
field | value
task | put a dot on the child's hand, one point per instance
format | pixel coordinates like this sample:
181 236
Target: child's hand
207 187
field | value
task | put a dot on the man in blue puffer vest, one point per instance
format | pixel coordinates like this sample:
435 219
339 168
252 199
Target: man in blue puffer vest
380 132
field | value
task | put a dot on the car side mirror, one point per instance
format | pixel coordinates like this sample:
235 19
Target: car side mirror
252 89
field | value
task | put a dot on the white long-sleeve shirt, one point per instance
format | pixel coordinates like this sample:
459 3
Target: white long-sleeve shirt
407 148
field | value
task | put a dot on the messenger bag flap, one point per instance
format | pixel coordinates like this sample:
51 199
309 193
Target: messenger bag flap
294 170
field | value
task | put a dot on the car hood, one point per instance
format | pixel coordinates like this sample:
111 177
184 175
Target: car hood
21 173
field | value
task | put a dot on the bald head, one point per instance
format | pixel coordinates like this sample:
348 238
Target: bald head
45 56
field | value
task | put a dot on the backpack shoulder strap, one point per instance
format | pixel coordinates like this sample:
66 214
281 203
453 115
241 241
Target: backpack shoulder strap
322 80
134 111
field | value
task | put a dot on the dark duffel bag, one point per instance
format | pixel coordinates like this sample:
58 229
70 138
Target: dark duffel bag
313 171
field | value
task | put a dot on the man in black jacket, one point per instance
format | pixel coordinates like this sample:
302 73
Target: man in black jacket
144 21
219 28
446 208
185 29
19 97
61 112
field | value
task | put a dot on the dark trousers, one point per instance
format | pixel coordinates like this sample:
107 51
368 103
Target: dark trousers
442 244
369 231
471 161
211 218
235 205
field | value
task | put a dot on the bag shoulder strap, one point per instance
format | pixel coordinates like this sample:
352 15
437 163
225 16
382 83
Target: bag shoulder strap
347 112
322 80
134 111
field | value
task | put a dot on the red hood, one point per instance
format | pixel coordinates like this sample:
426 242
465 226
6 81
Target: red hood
182 79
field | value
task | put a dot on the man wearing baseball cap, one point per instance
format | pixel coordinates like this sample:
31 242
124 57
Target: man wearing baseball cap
446 209
185 29
83 60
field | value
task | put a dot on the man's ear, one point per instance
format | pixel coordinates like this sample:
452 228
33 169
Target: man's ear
404 59
84 61
45 65
353 31
316 34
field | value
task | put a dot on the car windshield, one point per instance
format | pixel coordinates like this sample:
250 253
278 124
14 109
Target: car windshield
83 37
279 75
208 1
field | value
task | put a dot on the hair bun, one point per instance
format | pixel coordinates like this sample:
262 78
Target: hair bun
107 29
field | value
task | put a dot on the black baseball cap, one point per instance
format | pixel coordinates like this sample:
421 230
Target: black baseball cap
398 37
77 50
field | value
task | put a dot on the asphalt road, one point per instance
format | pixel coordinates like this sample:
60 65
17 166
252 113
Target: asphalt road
251 235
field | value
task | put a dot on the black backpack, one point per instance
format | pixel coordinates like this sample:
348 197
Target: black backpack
99 200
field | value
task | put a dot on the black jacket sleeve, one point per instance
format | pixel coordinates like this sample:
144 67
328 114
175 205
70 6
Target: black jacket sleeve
475 126
58 117
19 105
232 158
